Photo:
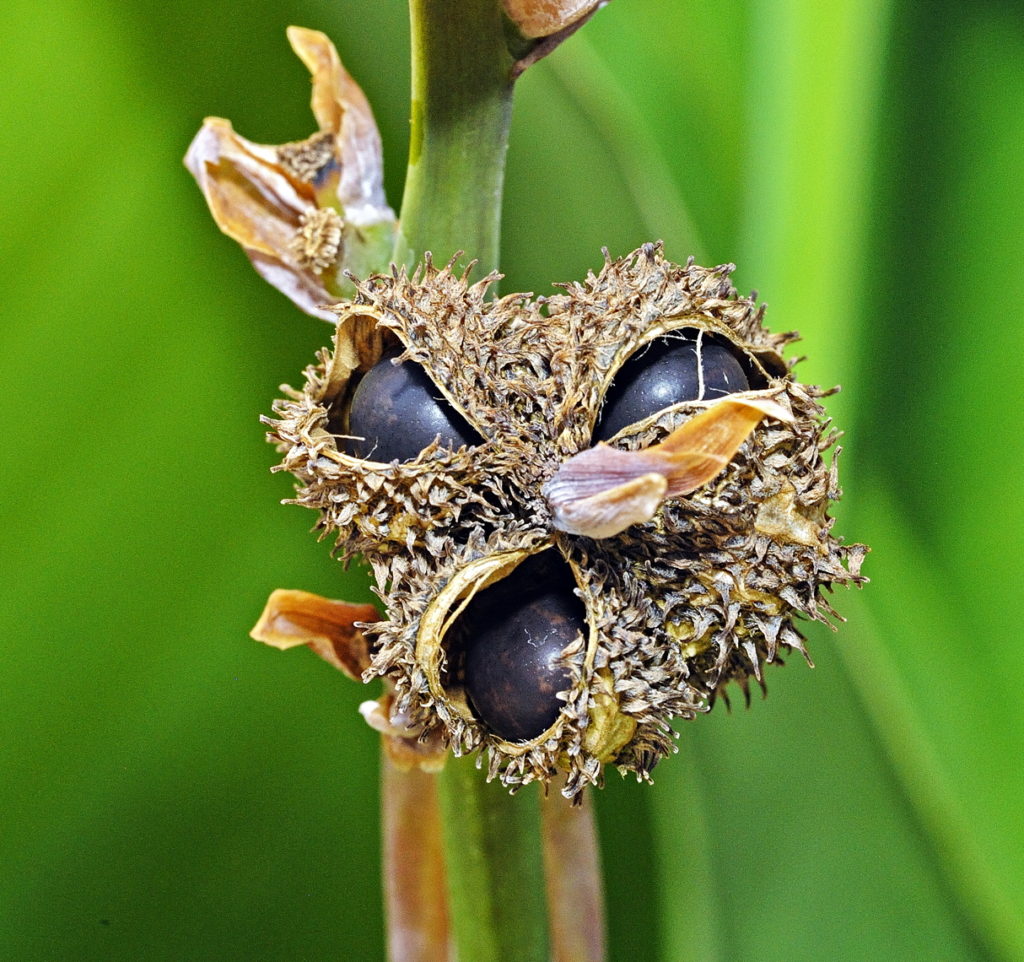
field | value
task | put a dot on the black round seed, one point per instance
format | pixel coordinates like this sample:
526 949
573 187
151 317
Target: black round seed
397 411
514 634
669 372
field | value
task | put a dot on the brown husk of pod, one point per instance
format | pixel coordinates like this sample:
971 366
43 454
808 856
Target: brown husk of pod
706 591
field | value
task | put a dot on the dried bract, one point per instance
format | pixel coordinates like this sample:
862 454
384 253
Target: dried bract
330 628
543 18
725 543
304 212
541 26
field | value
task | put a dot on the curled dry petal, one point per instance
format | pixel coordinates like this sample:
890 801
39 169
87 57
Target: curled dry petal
292 618
304 212
614 505
603 490
700 449
341 107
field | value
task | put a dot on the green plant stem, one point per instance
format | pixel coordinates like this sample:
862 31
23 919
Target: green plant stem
460 114
461 111
495 874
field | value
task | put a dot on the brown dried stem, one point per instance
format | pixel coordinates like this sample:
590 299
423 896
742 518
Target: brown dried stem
572 865
415 896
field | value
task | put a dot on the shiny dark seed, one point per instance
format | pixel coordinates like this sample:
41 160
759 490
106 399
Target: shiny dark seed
397 411
514 634
666 374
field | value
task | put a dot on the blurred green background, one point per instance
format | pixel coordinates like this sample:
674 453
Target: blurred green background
171 790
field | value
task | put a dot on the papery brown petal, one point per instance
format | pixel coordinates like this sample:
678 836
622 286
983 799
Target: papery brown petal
300 287
263 196
251 198
600 468
612 507
256 204
700 449
292 618
340 106
603 490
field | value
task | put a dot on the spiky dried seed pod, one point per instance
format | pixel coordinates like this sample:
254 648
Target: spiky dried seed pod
704 592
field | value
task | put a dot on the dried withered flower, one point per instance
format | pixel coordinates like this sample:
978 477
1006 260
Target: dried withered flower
523 622
304 212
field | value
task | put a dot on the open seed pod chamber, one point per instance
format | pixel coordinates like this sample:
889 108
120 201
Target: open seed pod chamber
555 653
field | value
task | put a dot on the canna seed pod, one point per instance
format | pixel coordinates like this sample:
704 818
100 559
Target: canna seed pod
677 558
